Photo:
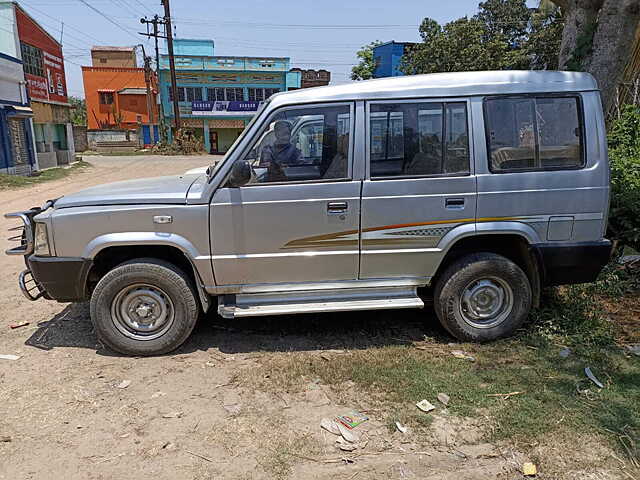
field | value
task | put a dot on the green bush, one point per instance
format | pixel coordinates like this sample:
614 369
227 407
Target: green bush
624 154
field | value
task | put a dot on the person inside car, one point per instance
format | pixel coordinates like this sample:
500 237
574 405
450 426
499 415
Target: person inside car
280 153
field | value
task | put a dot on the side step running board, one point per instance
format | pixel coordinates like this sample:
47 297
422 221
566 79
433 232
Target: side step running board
342 300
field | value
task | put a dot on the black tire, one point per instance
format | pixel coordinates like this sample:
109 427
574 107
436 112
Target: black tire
505 287
136 280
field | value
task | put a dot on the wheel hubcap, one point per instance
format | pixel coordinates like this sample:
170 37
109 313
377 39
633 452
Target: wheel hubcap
486 302
142 312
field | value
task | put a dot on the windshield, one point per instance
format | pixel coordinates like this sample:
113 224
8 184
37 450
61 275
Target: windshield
214 168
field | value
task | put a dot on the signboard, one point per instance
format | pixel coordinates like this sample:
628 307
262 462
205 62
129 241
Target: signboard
44 67
37 86
224 108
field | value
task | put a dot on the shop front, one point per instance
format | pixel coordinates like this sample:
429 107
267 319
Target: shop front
16 141
224 121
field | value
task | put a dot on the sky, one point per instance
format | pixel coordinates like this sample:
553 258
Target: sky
313 33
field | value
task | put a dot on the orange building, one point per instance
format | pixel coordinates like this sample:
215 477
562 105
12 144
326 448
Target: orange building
116 96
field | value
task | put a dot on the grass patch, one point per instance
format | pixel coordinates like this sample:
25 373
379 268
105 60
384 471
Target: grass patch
557 396
8 182
283 453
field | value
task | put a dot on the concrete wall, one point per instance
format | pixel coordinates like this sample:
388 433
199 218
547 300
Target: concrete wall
9 44
114 79
95 136
189 46
47 160
119 57
80 138
388 58
12 88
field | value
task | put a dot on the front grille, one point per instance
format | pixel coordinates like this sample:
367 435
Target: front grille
23 233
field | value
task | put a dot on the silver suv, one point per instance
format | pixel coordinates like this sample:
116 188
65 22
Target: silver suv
483 187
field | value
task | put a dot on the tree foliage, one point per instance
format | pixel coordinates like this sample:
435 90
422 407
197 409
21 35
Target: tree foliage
624 153
504 34
366 66
78 110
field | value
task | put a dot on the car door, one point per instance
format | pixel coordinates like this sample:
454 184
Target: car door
297 221
419 185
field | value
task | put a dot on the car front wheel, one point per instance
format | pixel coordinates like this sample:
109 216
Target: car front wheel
144 307
482 296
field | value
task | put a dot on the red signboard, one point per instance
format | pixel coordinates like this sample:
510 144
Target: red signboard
44 64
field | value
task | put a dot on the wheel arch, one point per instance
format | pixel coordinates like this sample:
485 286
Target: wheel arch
514 245
109 255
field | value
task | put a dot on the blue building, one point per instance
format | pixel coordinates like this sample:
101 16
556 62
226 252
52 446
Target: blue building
17 148
218 95
388 57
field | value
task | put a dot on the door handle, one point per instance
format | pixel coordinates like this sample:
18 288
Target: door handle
454 203
337 207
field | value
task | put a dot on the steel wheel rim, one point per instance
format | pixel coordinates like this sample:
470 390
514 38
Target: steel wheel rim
486 302
142 312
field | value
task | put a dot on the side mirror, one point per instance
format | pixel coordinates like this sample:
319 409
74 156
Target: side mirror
240 174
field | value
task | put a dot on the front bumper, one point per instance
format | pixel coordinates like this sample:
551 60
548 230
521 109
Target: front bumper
60 278
573 263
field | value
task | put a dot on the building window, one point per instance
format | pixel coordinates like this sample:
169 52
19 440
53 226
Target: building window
534 133
268 63
225 94
106 98
187 94
193 94
419 139
32 60
261 94
226 61
103 60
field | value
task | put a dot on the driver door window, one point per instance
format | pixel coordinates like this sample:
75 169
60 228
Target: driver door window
303 144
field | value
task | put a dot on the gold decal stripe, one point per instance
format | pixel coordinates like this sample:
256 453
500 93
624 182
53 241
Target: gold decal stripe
332 239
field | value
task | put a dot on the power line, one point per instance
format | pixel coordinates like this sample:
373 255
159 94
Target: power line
205 21
59 20
108 18
144 6
123 5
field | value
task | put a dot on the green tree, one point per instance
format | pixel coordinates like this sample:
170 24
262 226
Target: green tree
504 34
364 69
543 43
463 44
78 111
624 154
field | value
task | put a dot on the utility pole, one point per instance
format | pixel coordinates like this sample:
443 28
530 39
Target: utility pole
155 21
147 82
172 64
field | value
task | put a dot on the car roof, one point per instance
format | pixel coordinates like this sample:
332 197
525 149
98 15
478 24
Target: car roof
454 84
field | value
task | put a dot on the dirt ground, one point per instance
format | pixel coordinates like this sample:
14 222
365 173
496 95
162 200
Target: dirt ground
70 409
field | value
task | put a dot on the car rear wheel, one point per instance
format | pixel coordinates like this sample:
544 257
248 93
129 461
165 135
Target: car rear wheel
144 307
482 296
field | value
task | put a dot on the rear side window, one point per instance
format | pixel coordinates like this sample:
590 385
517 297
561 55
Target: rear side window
418 139
534 133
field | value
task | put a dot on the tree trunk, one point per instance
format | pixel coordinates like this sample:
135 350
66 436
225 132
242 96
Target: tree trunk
615 23
613 46
579 15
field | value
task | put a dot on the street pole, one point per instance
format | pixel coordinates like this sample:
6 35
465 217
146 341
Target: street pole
155 21
160 108
172 65
147 81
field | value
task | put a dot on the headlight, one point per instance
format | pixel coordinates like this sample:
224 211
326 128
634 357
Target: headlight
41 242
